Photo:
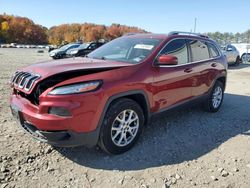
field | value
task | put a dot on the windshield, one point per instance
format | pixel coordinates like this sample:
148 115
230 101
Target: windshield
84 46
69 46
130 50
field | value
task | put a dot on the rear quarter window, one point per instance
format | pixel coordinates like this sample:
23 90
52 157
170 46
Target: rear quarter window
199 50
213 50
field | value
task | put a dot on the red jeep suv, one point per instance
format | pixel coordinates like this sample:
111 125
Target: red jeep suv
107 97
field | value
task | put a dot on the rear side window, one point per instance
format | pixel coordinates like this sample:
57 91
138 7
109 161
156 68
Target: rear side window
177 48
213 50
199 50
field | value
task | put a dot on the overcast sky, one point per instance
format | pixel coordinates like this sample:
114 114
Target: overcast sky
152 15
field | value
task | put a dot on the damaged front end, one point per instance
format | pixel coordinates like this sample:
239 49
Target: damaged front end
31 86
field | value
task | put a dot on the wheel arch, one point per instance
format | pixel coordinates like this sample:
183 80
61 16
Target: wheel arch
242 55
221 79
139 96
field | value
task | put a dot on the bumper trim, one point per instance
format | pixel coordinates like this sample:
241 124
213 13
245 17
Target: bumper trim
70 139
62 138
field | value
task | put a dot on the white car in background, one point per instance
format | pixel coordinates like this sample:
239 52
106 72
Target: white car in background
244 50
232 54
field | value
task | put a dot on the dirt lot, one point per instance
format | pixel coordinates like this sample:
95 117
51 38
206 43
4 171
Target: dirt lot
186 148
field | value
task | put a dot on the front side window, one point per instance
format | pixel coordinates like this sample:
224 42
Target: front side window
124 49
177 48
199 50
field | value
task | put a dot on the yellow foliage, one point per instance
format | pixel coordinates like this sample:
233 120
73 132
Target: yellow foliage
5 26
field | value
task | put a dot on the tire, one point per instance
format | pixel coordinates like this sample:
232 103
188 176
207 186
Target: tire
215 98
245 58
237 62
116 128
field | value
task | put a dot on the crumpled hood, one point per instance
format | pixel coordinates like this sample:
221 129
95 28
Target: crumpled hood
46 69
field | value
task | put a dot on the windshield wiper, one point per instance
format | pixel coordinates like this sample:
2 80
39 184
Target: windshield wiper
102 58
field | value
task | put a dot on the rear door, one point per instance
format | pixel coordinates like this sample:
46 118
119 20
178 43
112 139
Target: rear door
202 66
173 83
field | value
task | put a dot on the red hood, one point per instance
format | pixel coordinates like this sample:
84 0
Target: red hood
51 68
46 69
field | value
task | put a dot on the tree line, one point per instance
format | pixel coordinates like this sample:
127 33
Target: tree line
88 32
15 29
226 38
22 30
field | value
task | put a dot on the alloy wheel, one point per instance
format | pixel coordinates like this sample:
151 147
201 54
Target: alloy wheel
124 128
217 97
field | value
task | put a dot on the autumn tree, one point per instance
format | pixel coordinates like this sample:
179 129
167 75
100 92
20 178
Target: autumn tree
21 30
24 31
88 32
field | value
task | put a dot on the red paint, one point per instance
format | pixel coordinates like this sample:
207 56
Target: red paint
164 86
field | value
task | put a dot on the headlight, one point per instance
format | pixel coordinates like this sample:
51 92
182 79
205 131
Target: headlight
76 88
73 51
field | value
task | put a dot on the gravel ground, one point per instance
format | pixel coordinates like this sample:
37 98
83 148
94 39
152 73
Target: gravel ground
185 148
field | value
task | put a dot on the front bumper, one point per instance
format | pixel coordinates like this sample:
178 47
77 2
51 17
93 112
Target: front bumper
56 138
79 129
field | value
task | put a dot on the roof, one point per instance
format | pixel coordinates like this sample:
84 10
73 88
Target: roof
147 35
165 36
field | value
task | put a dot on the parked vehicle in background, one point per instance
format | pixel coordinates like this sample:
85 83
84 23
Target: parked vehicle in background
232 54
107 98
84 49
244 50
20 46
13 45
51 47
61 52
5 46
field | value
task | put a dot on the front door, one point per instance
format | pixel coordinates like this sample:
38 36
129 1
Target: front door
173 83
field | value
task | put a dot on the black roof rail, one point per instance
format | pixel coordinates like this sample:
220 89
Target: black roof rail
187 33
128 34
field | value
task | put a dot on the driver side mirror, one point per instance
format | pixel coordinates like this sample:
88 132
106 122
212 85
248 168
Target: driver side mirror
167 60
229 49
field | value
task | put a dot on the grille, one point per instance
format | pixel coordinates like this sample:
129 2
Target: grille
24 80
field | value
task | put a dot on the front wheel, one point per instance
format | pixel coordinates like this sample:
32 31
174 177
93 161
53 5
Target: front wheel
215 98
121 126
237 62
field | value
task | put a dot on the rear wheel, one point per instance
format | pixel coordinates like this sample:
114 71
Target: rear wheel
215 98
121 126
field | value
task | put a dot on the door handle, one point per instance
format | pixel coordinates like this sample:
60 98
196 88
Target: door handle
214 64
188 70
